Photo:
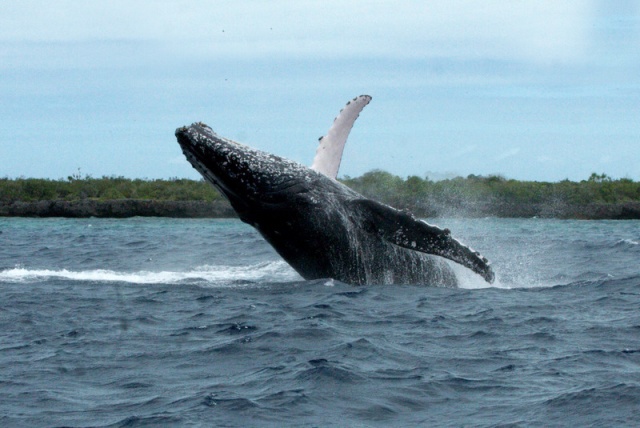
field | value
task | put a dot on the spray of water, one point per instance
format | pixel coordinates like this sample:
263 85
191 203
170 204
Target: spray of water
277 271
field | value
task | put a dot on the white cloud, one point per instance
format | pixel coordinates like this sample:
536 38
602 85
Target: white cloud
539 31
507 154
464 151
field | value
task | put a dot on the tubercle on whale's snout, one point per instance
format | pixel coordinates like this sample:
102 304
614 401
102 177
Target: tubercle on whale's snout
185 130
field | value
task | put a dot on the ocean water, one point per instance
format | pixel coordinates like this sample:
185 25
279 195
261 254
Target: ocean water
167 322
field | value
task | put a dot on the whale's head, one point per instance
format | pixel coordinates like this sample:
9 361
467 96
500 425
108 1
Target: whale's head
250 179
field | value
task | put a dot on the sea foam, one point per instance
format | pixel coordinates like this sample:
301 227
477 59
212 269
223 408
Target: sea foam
214 275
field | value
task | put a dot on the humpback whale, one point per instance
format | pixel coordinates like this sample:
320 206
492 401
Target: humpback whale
322 228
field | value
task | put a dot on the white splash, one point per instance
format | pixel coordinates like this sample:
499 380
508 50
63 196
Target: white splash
209 275
470 280
628 242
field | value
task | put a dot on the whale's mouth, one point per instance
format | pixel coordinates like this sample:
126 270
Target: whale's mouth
193 158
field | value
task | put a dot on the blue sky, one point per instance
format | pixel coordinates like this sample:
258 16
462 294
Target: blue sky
533 89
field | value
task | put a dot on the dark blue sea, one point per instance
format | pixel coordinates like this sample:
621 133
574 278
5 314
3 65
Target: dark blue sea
164 322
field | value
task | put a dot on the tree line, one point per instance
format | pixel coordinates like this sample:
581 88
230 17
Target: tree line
414 190
76 188
472 195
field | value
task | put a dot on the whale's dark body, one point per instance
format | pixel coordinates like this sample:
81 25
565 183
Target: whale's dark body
319 226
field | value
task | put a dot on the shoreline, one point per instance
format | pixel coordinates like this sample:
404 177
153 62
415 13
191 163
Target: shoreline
124 208
117 208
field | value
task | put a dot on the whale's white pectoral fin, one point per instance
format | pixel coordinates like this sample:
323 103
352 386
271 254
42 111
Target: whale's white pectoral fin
404 230
329 153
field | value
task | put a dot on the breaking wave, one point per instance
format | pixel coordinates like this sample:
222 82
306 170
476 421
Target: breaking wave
215 275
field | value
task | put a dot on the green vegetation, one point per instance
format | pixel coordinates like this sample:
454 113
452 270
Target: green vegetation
105 188
599 196
415 191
